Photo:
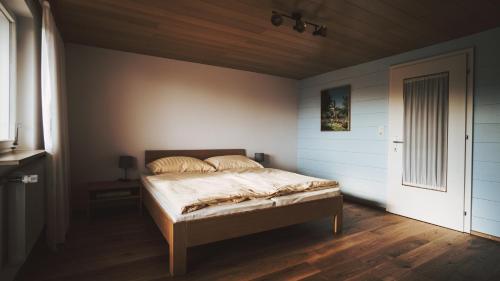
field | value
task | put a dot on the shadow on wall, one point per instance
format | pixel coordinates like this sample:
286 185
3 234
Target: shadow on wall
363 201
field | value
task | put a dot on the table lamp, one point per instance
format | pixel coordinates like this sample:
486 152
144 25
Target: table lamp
126 162
259 157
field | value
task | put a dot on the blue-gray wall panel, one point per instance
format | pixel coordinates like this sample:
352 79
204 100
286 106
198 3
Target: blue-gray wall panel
358 159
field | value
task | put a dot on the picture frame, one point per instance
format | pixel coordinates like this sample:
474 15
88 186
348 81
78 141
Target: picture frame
336 109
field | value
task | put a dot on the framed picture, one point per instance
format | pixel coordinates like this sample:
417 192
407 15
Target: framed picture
336 109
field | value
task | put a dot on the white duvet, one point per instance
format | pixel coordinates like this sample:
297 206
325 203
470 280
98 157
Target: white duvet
189 192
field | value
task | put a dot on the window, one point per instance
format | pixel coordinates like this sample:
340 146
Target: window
6 74
425 148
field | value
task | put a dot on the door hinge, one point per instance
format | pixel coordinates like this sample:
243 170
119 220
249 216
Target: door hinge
465 213
466 137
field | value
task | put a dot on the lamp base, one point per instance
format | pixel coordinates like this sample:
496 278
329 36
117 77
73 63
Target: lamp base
125 175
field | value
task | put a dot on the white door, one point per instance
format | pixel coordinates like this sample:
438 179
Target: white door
427 125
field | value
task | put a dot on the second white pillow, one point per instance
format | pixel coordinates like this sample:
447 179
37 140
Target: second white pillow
228 162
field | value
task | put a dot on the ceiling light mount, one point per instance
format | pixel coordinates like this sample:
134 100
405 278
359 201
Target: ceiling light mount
300 25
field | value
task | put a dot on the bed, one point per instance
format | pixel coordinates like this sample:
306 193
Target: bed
231 220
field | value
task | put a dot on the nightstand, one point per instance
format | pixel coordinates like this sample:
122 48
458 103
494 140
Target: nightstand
105 194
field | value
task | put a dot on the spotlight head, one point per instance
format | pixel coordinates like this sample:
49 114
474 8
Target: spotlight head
321 31
276 19
299 26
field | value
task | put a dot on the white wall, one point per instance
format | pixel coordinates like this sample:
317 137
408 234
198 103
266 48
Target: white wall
358 159
124 103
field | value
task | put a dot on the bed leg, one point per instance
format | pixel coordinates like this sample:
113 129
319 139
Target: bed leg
337 224
178 250
337 220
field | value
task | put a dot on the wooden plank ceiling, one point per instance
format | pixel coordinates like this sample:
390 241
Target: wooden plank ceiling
238 33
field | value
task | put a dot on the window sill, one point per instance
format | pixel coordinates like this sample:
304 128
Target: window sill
5 144
20 157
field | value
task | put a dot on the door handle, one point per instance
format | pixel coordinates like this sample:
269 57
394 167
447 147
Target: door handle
396 146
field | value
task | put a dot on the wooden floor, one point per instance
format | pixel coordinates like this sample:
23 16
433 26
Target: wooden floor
374 246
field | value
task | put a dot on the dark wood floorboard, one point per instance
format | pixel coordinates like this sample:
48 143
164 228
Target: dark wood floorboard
374 246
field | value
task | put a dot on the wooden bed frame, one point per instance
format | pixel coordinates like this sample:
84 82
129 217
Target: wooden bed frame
184 234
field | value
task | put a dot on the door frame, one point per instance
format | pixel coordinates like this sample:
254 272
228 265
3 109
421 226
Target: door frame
469 52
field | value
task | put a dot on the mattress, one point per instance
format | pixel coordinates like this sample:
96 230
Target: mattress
233 208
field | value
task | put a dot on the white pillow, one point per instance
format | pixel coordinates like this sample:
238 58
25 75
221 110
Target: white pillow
229 162
179 164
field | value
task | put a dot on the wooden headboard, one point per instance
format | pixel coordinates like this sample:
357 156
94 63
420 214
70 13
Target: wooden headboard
152 155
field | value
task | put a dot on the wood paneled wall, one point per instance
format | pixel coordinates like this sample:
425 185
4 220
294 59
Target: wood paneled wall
358 158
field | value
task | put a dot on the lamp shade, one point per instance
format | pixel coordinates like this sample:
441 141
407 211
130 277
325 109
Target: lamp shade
259 157
126 162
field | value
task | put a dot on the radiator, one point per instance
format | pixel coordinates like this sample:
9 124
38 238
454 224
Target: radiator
22 214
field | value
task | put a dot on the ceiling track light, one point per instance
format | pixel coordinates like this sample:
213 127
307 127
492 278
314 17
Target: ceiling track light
300 25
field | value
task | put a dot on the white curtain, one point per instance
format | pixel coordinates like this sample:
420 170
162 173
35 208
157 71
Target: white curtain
425 155
55 129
